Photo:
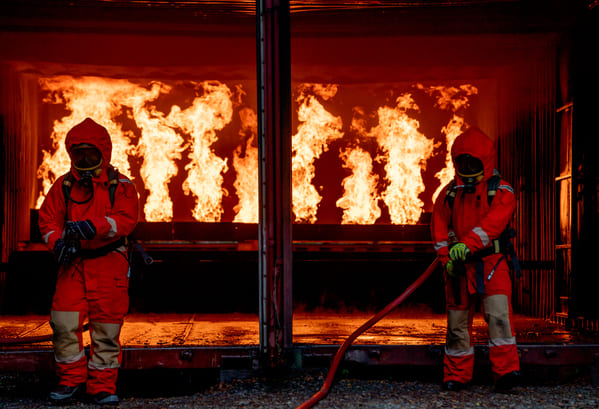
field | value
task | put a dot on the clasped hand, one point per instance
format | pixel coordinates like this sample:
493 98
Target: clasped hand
67 248
458 253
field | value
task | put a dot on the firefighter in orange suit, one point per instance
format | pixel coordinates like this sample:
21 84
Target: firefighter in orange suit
84 220
469 219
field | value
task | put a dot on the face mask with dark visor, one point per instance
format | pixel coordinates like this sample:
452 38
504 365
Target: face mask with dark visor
86 157
86 160
470 170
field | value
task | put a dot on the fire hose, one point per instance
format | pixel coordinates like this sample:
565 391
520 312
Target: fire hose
380 315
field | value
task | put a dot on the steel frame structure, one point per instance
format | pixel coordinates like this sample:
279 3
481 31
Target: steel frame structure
274 151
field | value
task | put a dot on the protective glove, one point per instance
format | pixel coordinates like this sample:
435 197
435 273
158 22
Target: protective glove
449 268
459 251
83 230
63 254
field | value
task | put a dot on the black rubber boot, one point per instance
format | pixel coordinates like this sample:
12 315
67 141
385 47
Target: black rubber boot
453 386
507 381
105 398
63 393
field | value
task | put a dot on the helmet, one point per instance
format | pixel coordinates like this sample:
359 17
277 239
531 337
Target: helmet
470 169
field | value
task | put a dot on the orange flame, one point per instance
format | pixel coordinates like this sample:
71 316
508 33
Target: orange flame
245 163
360 200
453 99
208 113
163 138
84 97
405 151
317 127
159 146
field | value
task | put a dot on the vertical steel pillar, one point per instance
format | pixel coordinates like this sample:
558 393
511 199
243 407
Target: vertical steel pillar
274 146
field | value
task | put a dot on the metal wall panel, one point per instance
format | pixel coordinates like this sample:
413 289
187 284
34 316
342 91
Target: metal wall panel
527 159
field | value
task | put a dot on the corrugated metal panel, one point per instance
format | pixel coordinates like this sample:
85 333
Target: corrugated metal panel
528 160
20 103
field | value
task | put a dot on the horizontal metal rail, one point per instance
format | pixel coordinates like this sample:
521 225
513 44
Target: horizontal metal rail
186 357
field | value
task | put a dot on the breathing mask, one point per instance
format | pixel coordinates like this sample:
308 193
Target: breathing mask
470 170
87 161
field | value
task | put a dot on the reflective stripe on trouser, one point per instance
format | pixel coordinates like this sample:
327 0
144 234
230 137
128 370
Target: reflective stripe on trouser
105 357
503 351
97 289
458 362
71 362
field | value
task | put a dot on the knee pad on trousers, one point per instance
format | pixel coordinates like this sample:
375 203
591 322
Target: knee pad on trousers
497 315
458 338
66 341
105 343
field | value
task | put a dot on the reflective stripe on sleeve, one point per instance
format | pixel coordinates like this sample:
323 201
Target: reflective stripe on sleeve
506 187
112 232
47 237
440 245
484 238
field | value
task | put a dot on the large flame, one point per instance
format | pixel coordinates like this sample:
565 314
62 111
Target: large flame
84 97
157 141
159 147
317 127
360 200
454 99
405 152
245 162
160 144
208 113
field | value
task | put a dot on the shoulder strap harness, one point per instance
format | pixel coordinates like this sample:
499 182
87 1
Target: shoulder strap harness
113 181
492 186
501 245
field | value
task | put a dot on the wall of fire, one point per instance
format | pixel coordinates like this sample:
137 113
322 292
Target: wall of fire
352 67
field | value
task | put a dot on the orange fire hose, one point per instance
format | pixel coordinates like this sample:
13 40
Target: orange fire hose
380 315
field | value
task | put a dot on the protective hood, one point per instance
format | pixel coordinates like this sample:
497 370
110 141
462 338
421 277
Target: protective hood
474 142
93 133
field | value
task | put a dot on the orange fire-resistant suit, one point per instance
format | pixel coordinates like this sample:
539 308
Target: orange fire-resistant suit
476 223
93 287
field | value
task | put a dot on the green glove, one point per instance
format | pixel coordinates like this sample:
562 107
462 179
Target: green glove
449 268
459 251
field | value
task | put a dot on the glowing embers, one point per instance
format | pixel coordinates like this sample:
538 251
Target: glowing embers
361 154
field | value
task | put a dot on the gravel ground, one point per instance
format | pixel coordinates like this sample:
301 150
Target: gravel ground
177 390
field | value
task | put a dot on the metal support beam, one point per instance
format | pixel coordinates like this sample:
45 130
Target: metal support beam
312 356
274 146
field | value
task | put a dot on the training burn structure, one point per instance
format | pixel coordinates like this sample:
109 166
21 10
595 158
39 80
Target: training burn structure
287 162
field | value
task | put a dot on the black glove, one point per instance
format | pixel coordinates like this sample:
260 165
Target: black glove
83 230
64 254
